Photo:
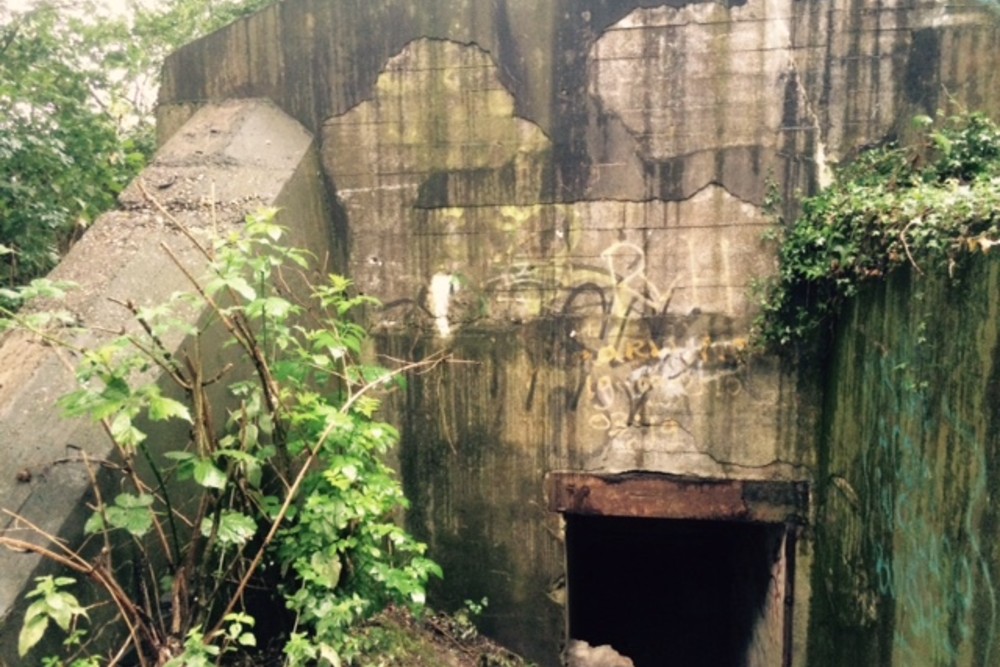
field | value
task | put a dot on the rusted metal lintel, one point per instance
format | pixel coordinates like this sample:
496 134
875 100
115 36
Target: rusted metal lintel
654 495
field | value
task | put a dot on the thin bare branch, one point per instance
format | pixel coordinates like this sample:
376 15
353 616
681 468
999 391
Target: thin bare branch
177 224
906 246
165 359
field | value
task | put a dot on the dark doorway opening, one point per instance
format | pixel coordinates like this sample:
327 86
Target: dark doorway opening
676 591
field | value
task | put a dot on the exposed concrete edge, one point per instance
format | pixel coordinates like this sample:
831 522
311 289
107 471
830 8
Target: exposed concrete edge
225 162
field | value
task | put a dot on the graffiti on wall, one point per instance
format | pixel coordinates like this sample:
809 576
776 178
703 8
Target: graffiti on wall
642 368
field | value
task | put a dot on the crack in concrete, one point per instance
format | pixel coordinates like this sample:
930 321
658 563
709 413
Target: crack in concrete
605 200
714 182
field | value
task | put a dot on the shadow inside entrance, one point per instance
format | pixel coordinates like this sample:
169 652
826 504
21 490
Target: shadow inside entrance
670 592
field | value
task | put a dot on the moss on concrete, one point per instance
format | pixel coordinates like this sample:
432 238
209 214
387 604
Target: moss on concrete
907 569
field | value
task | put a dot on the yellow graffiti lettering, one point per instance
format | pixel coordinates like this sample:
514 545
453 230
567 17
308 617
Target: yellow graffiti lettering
634 350
670 428
605 393
706 348
732 385
619 422
599 422
607 354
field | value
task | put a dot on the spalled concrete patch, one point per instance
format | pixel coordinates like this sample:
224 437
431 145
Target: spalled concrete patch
440 125
674 75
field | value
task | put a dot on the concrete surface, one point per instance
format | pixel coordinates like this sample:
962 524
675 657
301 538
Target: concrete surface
907 568
569 196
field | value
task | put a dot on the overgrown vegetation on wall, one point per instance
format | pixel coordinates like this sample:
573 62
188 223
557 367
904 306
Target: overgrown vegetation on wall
273 493
925 206
77 88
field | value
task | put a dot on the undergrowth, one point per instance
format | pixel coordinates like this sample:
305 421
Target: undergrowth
278 490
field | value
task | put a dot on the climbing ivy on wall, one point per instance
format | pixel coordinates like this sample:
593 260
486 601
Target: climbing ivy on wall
927 206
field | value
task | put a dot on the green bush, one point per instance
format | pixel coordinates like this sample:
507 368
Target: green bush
62 157
925 206
291 495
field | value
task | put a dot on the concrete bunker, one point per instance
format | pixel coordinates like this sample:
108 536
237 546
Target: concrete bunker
577 167
700 571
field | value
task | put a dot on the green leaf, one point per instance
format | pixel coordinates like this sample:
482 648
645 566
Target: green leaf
116 390
206 474
31 633
62 608
77 403
329 656
235 528
124 433
367 406
129 501
273 307
326 568
95 524
50 603
131 513
239 285
162 408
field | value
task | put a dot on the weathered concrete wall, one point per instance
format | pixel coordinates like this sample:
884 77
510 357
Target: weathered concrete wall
568 195
226 162
684 81
907 566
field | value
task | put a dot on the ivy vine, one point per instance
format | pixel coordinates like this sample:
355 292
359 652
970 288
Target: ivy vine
928 205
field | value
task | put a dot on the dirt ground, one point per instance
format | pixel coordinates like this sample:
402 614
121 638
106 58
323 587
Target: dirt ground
436 640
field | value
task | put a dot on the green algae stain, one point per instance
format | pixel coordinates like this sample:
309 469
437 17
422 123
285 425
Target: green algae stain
905 562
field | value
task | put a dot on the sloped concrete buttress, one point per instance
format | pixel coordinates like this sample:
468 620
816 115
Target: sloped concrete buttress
228 160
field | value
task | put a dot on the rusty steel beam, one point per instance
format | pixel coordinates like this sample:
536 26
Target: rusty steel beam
660 496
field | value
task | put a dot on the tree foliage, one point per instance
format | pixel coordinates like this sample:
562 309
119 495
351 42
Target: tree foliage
62 157
76 94
927 206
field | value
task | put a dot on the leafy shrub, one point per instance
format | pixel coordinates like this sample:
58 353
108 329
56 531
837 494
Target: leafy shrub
62 160
290 494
